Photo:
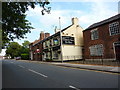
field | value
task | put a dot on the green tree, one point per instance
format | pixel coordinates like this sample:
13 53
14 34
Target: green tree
26 44
25 50
16 50
13 50
14 22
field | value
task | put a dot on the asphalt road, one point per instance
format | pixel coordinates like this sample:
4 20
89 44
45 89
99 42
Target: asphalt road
20 74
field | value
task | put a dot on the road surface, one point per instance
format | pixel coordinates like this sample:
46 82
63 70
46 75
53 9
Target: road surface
21 74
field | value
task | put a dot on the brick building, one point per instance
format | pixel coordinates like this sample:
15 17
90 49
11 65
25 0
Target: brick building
102 40
36 47
66 44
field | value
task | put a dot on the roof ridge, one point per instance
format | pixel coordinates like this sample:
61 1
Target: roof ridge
103 21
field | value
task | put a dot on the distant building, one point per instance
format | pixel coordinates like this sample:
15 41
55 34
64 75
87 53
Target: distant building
52 49
102 40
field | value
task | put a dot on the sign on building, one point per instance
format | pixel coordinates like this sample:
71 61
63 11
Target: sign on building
55 41
68 40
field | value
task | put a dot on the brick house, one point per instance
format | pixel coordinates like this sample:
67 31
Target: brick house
102 40
36 47
34 54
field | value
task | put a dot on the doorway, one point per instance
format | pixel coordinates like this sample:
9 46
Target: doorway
117 50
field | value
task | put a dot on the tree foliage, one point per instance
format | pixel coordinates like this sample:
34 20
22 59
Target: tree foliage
14 23
16 50
25 50
13 49
26 44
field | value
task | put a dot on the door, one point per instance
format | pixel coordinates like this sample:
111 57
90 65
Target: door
117 50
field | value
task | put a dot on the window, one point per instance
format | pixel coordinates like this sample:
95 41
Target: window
94 34
44 44
96 50
50 42
46 54
55 55
47 43
114 28
56 41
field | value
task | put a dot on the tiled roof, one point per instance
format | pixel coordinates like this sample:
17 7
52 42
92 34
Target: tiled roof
36 41
57 33
116 17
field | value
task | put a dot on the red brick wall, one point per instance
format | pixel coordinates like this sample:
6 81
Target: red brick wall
38 56
41 50
104 38
47 35
42 35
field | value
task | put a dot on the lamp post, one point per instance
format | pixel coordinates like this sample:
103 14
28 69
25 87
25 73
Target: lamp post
61 40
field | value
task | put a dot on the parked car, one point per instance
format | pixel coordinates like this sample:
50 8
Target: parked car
18 58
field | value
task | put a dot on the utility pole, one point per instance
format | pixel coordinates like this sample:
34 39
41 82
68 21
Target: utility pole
61 39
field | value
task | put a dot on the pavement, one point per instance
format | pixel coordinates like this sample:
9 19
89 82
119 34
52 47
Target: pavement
91 67
104 68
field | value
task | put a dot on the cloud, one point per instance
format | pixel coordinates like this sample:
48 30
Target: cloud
62 0
98 0
84 0
34 35
99 11
53 18
49 21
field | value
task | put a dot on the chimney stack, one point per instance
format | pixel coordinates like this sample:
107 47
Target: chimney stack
42 35
75 21
47 35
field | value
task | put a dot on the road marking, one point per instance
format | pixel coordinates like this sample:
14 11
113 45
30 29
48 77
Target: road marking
21 66
74 87
37 73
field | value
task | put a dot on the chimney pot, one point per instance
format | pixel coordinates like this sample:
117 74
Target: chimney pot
42 35
47 35
75 21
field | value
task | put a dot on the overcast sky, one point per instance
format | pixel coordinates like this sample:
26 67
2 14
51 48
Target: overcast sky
87 11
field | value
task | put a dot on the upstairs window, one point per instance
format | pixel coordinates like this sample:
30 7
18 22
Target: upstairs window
44 45
94 34
114 28
55 41
47 43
